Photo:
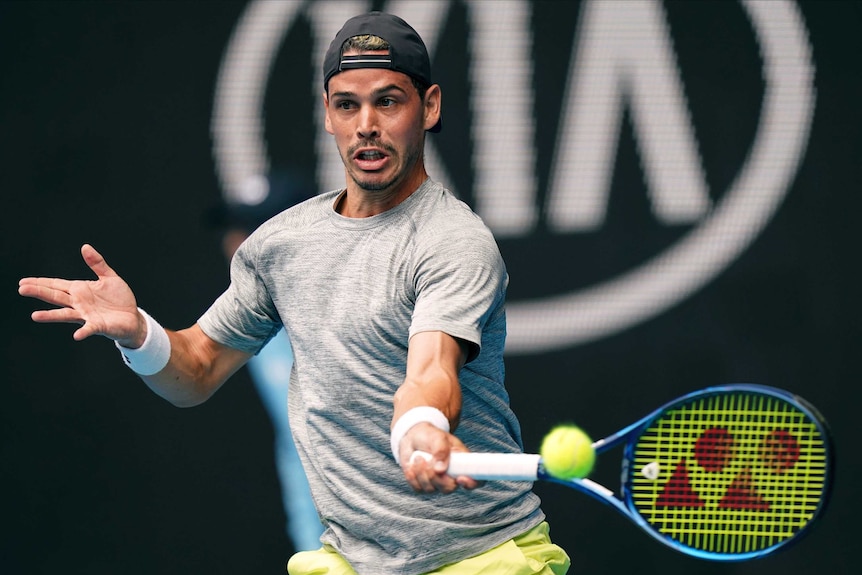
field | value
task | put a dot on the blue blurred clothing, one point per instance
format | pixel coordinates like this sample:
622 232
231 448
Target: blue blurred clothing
270 371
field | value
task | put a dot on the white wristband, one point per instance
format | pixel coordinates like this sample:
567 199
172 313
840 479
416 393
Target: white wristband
410 418
154 353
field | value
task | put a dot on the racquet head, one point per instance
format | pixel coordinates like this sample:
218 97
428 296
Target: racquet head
729 473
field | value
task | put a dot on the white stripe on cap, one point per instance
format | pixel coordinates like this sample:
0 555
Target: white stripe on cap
374 61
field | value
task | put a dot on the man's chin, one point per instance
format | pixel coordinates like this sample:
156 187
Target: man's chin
373 184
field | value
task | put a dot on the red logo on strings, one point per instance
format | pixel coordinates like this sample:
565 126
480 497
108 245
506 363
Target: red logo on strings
713 451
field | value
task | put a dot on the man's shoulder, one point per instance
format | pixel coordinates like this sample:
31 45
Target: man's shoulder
446 210
304 213
449 223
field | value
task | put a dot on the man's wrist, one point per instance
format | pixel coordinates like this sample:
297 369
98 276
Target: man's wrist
153 354
411 417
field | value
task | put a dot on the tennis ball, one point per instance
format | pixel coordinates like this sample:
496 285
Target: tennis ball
567 452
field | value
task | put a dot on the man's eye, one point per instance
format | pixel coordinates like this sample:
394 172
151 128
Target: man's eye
344 105
386 102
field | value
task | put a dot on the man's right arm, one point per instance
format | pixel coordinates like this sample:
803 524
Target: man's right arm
197 368
185 367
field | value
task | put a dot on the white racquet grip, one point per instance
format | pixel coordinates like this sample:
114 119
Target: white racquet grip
492 466
411 417
495 466
154 353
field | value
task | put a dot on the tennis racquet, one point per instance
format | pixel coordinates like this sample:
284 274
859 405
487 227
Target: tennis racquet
727 473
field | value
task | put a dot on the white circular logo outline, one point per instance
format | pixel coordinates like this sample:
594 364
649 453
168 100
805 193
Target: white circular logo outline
571 319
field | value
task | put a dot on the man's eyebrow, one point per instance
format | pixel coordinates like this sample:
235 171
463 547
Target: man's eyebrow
390 88
378 92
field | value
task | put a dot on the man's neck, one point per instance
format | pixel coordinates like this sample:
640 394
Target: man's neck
360 203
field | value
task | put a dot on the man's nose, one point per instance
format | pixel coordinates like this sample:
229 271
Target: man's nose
368 126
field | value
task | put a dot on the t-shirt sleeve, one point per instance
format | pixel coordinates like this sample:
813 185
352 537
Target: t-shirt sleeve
460 284
244 316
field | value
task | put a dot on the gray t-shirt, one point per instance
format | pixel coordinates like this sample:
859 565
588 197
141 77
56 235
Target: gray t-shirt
350 293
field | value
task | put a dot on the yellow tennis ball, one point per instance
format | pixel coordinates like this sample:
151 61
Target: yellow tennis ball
567 452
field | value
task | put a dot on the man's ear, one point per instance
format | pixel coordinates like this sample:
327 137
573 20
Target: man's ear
326 123
433 106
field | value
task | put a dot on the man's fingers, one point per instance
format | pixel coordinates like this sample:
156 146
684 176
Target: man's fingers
96 262
82 332
65 315
442 482
468 482
61 315
428 475
50 283
438 469
49 290
418 470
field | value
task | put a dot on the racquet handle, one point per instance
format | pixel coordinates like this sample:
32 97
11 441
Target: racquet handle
491 466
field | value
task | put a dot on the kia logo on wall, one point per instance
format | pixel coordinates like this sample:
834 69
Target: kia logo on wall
550 116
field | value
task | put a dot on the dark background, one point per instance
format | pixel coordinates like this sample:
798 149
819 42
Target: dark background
105 111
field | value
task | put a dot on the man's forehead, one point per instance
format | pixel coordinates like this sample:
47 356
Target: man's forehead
369 80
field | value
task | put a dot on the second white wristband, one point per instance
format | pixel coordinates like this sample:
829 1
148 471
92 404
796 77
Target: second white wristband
154 353
411 417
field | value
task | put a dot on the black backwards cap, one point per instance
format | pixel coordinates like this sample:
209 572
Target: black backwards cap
407 52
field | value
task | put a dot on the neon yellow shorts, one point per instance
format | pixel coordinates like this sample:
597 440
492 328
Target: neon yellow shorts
529 554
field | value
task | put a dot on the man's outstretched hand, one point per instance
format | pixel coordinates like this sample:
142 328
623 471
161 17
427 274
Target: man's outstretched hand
105 306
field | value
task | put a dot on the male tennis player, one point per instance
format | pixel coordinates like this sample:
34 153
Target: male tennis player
392 291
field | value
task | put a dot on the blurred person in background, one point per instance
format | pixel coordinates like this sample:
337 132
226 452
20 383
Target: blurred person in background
260 199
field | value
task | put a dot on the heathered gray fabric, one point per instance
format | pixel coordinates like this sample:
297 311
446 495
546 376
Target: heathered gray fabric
349 292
